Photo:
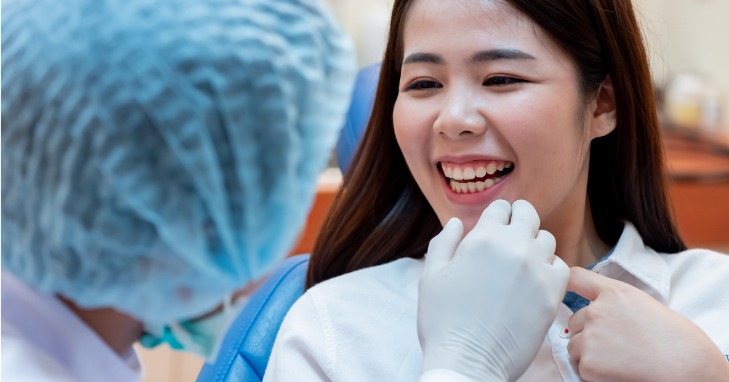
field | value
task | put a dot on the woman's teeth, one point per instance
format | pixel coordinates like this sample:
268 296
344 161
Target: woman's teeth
471 187
465 179
472 172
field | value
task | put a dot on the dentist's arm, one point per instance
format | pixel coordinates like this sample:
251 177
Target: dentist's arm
486 300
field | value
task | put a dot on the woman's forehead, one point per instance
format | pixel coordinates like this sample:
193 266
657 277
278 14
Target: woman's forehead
484 11
462 27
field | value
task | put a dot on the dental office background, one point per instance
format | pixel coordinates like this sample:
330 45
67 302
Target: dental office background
689 54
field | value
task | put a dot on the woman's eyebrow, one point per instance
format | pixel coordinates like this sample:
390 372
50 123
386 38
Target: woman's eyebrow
429 58
478 57
500 54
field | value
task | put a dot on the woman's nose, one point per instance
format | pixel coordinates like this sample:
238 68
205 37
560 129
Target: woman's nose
460 117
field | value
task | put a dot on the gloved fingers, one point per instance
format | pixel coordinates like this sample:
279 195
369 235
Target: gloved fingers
561 271
546 244
498 212
525 217
443 246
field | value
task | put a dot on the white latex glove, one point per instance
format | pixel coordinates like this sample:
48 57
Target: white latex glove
486 301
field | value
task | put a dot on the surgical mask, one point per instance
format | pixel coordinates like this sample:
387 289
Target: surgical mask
202 336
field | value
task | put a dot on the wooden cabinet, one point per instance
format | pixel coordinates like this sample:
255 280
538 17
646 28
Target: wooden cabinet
699 189
327 188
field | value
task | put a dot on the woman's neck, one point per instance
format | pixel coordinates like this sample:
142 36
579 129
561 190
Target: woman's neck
578 242
117 329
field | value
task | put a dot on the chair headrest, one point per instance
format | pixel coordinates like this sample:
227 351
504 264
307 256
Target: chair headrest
358 115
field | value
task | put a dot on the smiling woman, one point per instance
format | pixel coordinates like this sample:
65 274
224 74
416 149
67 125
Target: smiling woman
478 101
505 93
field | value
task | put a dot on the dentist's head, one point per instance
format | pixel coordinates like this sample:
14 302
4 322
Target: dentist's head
157 155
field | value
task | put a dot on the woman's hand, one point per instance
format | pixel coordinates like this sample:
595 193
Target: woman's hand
626 335
486 300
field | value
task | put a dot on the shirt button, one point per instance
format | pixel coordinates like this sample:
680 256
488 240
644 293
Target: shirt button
564 332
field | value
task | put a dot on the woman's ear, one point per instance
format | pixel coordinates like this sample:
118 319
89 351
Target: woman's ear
604 116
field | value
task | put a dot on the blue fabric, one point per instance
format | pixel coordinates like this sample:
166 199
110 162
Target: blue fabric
573 300
358 115
159 154
247 346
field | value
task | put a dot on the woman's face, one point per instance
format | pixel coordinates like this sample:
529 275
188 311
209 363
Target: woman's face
489 108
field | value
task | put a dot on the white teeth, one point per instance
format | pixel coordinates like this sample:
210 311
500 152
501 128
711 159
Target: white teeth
457 174
468 173
480 172
472 187
491 168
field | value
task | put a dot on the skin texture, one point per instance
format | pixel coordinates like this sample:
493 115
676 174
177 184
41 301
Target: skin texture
528 111
606 345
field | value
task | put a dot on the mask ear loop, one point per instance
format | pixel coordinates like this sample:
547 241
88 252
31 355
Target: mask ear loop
227 302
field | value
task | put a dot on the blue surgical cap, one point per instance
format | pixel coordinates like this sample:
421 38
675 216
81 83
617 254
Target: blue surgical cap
158 154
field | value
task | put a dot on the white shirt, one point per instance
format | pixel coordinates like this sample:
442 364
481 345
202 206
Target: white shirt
43 340
362 326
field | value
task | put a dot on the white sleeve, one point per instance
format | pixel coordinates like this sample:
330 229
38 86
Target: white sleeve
300 351
443 375
22 361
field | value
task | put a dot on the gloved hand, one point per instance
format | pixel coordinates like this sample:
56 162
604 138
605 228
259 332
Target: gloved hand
486 300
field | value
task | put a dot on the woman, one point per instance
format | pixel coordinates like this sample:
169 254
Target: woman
550 102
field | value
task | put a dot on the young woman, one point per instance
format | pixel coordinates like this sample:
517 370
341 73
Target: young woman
550 102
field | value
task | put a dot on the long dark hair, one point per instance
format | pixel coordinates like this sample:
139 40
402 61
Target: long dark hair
381 215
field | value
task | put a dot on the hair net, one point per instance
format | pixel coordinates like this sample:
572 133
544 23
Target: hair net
157 154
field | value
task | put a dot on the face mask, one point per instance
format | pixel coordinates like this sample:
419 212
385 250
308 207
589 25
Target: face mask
200 336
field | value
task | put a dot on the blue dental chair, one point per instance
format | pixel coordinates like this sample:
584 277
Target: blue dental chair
247 346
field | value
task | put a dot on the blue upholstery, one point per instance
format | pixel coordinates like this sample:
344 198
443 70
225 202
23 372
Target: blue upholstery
246 348
247 345
358 114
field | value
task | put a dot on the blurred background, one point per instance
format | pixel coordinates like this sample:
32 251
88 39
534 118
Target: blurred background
689 54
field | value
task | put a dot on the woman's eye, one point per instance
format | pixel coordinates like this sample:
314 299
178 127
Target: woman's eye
423 85
501 81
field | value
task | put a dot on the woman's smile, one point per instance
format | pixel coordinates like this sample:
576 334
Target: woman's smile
473 182
475 176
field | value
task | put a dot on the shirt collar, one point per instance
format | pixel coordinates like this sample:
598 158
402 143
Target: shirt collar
646 265
52 327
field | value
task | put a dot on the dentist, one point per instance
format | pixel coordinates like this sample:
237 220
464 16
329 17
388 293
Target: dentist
157 156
